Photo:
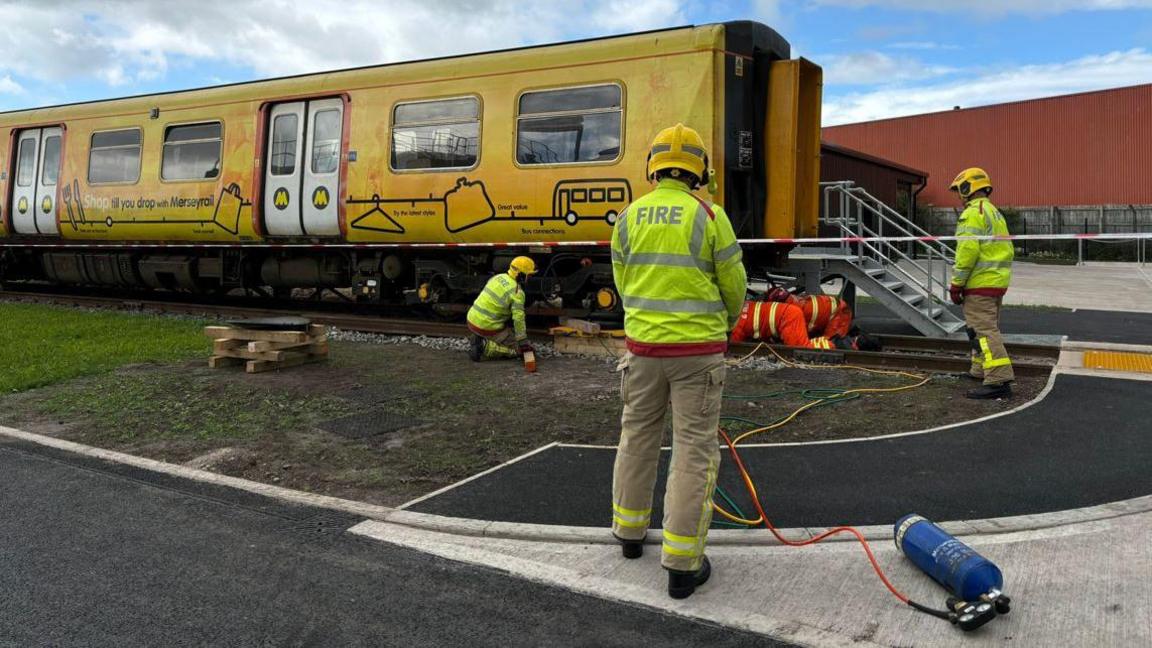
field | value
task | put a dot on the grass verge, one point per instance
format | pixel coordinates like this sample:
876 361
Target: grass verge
42 345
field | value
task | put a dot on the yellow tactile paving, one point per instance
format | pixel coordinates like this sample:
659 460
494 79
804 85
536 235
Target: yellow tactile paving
1118 361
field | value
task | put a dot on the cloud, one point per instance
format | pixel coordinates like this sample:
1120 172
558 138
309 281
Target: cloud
991 7
871 67
8 86
129 41
923 45
975 88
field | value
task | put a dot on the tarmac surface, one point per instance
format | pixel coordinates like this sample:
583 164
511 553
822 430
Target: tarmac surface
100 554
1078 324
1051 456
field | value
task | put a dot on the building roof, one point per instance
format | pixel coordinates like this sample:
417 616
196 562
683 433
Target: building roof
1089 148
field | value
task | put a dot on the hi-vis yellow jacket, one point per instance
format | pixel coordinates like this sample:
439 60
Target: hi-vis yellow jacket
679 271
501 300
982 266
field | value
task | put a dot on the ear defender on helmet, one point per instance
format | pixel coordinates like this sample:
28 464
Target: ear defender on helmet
970 181
678 149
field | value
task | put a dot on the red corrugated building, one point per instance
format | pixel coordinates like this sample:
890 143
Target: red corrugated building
1092 148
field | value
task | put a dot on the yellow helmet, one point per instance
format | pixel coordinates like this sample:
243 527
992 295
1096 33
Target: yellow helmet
971 180
522 265
678 147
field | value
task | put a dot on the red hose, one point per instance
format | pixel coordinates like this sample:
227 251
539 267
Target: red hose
800 543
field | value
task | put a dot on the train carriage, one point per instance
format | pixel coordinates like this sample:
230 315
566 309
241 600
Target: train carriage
410 181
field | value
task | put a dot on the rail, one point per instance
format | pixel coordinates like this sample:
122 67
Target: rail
906 352
854 204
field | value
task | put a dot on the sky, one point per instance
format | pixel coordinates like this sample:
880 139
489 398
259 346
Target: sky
881 58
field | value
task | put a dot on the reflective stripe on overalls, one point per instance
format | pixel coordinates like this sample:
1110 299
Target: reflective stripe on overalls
815 301
756 315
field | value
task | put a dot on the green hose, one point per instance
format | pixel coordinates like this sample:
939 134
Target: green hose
826 396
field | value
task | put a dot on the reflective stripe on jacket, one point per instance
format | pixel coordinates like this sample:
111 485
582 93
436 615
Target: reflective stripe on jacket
679 270
501 300
982 264
782 321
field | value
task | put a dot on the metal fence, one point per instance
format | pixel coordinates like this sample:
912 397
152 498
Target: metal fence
1083 219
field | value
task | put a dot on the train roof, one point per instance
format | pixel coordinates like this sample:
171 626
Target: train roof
751 26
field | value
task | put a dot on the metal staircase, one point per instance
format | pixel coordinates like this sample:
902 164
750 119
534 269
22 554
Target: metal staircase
908 278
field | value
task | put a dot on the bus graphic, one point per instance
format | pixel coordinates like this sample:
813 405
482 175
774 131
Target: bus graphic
604 198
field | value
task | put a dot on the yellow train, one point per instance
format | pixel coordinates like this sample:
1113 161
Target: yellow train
408 181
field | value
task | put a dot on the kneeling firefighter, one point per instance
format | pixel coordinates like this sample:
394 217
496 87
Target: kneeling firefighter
501 301
679 270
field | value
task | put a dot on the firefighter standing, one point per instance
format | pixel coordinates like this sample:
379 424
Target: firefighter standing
679 270
501 301
980 279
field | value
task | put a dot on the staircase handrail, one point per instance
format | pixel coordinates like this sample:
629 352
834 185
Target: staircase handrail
886 215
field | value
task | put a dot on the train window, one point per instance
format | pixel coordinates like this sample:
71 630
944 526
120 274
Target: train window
114 157
191 152
326 141
569 125
284 129
51 164
26 163
443 134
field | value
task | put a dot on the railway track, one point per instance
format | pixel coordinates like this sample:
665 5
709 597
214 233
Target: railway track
902 352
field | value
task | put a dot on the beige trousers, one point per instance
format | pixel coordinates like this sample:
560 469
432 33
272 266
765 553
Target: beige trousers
693 385
989 357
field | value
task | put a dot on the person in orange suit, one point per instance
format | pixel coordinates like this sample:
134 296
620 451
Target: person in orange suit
787 323
826 315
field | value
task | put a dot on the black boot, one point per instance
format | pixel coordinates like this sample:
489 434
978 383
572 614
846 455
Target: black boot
681 584
989 392
632 549
476 348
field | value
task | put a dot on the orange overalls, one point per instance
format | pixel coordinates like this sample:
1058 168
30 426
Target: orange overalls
784 322
827 316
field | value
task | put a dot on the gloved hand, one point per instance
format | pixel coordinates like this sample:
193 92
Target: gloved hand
956 294
526 346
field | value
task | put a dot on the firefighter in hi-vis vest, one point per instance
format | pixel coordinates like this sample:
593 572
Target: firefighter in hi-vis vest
679 270
501 302
980 279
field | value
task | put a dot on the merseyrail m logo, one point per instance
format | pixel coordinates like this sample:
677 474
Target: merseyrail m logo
320 197
46 204
22 206
280 198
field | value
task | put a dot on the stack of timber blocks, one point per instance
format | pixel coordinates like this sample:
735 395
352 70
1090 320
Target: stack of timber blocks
264 350
581 337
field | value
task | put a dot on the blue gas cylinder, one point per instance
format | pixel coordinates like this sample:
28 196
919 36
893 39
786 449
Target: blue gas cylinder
956 566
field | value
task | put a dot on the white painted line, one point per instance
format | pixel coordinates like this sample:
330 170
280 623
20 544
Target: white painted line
286 494
475 477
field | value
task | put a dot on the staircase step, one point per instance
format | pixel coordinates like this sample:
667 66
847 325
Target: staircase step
875 273
913 299
894 286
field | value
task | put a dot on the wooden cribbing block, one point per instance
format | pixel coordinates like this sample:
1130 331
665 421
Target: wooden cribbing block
283 346
319 349
215 362
588 345
264 350
248 335
584 326
260 366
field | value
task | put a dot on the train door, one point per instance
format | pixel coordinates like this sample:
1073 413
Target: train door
38 153
302 175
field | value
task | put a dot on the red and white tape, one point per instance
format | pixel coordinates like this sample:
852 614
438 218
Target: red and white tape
551 244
